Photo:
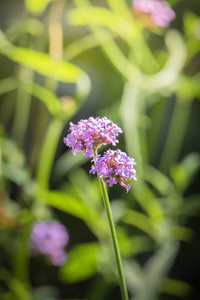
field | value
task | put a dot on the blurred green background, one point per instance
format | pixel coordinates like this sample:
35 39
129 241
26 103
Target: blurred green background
63 61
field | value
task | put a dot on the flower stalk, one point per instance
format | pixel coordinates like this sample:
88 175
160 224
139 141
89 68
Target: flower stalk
113 236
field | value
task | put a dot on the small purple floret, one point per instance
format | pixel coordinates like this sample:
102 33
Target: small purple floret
90 134
160 12
114 166
49 239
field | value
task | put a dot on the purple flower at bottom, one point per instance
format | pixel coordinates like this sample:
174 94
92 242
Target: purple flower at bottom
159 12
49 239
90 134
114 166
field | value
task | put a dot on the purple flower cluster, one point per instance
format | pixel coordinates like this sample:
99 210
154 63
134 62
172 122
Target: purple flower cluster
114 166
90 134
160 12
49 239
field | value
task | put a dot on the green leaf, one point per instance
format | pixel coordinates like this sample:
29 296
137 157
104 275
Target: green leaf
135 277
159 180
183 173
65 202
131 246
82 263
140 221
149 202
182 233
101 16
48 152
89 191
36 6
41 62
66 163
191 206
71 204
52 102
8 84
188 87
176 287
15 173
156 269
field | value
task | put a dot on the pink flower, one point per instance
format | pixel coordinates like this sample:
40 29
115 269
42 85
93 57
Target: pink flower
90 134
50 239
159 12
114 166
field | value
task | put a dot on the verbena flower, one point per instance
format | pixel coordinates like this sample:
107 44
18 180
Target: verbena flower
90 134
49 239
159 12
115 167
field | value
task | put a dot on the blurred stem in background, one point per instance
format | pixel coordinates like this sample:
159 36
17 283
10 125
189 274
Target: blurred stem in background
55 37
55 30
176 132
23 105
55 127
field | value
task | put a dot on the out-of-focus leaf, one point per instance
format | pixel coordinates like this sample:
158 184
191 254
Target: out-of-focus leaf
176 132
48 152
13 163
15 173
183 173
182 233
36 6
77 47
19 290
130 246
88 191
28 25
140 221
53 103
156 269
66 163
7 85
130 109
176 287
82 262
191 206
119 60
120 24
45 293
134 277
158 180
21 256
188 87
191 23
120 7
66 203
72 205
103 17
173 66
41 62
149 202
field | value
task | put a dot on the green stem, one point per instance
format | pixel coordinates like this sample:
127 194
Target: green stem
114 237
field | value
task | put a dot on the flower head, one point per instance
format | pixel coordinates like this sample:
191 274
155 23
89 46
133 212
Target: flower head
49 239
114 166
159 12
90 134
